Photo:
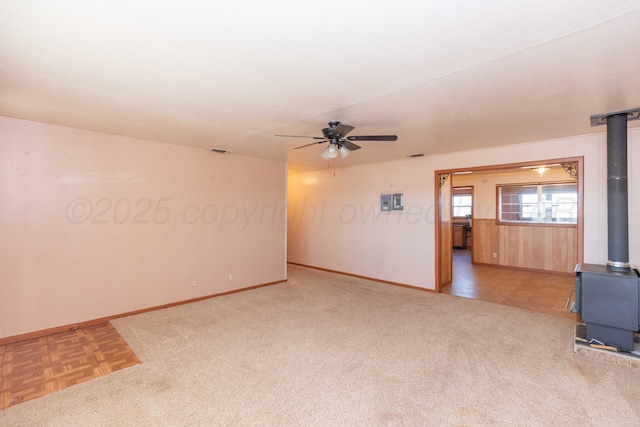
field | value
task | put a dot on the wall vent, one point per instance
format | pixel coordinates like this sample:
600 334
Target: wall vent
414 155
220 150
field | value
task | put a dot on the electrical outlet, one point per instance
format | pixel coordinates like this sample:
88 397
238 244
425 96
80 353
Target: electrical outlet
195 283
495 255
230 276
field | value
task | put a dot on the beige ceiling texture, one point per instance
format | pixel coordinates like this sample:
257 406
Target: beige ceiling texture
443 75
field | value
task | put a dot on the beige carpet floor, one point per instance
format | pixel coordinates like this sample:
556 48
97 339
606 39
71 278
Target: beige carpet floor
330 350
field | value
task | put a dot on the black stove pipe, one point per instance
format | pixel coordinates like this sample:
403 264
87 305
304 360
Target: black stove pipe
617 194
608 297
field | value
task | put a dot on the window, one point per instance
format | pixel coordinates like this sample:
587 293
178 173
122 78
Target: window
462 205
545 203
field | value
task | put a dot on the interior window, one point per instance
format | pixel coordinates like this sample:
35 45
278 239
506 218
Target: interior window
544 203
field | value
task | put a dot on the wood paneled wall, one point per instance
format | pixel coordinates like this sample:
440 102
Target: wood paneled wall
537 247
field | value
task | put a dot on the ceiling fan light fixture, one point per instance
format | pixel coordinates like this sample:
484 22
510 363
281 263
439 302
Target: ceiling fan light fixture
330 152
339 142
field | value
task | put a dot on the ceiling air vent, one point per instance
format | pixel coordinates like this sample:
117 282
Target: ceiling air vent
414 155
220 150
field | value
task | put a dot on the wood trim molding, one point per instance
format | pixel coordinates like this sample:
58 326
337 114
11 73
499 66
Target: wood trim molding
578 160
386 282
92 322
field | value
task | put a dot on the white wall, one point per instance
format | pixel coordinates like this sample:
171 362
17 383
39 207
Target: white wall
94 225
399 246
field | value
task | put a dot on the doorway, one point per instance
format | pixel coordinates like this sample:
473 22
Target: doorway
553 246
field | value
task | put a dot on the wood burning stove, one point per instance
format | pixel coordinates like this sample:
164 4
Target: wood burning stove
608 303
608 296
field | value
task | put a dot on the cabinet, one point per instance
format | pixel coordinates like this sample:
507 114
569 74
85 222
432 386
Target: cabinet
460 236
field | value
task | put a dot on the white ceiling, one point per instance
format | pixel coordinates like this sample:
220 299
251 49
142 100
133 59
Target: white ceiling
442 75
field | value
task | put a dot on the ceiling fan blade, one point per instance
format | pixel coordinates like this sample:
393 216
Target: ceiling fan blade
309 145
336 130
373 138
350 145
300 136
343 130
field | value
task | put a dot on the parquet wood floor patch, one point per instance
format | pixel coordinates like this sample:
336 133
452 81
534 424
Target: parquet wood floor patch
35 367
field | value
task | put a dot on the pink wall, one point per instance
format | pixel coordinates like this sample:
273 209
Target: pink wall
335 222
93 225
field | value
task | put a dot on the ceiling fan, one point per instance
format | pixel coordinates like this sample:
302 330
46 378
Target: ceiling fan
339 142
